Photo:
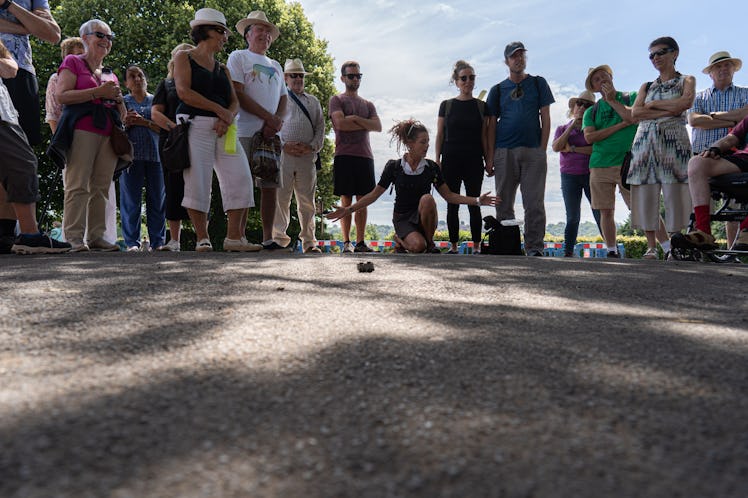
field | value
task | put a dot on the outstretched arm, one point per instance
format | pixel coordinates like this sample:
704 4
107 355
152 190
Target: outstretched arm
360 204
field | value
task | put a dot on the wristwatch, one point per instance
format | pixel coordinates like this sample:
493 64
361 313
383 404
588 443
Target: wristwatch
6 4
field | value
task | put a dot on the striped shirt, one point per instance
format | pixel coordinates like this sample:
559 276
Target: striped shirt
713 100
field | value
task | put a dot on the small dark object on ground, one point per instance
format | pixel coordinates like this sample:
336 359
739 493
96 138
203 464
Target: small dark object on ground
367 267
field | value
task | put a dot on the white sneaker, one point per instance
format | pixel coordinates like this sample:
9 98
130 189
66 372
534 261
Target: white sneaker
240 245
172 246
347 247
650 254
133 249
204 245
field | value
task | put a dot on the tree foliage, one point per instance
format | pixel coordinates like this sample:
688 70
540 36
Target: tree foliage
146 32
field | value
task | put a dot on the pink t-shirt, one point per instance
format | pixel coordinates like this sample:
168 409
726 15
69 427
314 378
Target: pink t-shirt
84 80
352 143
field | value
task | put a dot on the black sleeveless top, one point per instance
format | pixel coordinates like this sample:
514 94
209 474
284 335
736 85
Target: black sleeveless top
213 85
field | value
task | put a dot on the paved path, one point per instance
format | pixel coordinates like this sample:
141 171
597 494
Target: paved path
136 375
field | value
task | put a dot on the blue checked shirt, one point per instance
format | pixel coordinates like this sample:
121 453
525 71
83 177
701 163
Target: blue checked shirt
144 141
713 100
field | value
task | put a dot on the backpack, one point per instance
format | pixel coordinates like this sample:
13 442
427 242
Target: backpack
504 240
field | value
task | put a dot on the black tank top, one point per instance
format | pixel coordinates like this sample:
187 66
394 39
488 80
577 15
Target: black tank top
213 85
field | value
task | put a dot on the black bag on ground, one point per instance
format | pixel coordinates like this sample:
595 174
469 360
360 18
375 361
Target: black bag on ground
175 153
502 239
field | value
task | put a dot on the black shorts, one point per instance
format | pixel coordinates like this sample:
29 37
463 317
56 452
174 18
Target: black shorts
739 160
18 165
353 175
24 92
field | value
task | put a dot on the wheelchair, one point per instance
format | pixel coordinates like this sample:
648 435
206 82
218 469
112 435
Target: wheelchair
731 193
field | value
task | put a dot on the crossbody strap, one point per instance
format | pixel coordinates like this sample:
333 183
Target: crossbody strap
303 109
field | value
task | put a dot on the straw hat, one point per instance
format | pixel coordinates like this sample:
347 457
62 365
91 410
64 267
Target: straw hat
210 17
585 95
592 71
720 57
294 66
257 17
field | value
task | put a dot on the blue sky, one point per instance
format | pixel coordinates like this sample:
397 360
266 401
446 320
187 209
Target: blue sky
407 50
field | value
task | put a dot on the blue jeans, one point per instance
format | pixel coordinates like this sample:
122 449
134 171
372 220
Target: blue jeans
130 200
572 187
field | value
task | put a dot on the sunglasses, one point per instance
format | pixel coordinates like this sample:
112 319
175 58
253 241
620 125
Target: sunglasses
660 52
101 35
517 93
465 78
219 30
354 76
583 103
293 76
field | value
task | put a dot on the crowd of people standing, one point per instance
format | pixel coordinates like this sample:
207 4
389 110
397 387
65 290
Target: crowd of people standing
100 134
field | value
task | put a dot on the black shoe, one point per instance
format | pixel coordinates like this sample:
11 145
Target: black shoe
613 255
6 243
272 246
362 247
534 253
38 243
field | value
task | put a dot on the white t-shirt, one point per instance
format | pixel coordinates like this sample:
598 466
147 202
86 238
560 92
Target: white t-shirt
263 81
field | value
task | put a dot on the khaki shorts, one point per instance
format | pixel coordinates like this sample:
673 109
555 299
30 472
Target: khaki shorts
603 183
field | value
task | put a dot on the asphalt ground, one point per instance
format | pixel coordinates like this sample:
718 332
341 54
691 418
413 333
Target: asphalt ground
279 375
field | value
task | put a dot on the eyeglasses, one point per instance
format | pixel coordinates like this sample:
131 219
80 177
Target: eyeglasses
660 52
465 78
219 30
293 76
101 35
517 93
583 103
354 76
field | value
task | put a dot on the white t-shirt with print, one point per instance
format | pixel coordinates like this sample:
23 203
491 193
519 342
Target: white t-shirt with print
263 81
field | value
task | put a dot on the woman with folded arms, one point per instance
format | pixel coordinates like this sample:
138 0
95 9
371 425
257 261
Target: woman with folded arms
661 148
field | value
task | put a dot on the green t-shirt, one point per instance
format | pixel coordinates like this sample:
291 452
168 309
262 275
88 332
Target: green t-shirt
610 151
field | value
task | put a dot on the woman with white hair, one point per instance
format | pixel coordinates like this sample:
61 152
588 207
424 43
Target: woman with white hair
93 107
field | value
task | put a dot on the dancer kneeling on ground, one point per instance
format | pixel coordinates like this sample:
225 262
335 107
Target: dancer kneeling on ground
413 176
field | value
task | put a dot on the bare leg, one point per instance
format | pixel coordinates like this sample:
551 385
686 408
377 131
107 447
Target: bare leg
428 215
651 242
360 219
608 226
175 229
267 212
26 215
345 221
235 216
414 242
6 210
200 222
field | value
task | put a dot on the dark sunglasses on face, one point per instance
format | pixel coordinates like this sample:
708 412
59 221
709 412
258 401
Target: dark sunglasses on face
465 78
354 76
101 35
660 52
293 76
219 30
582 103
